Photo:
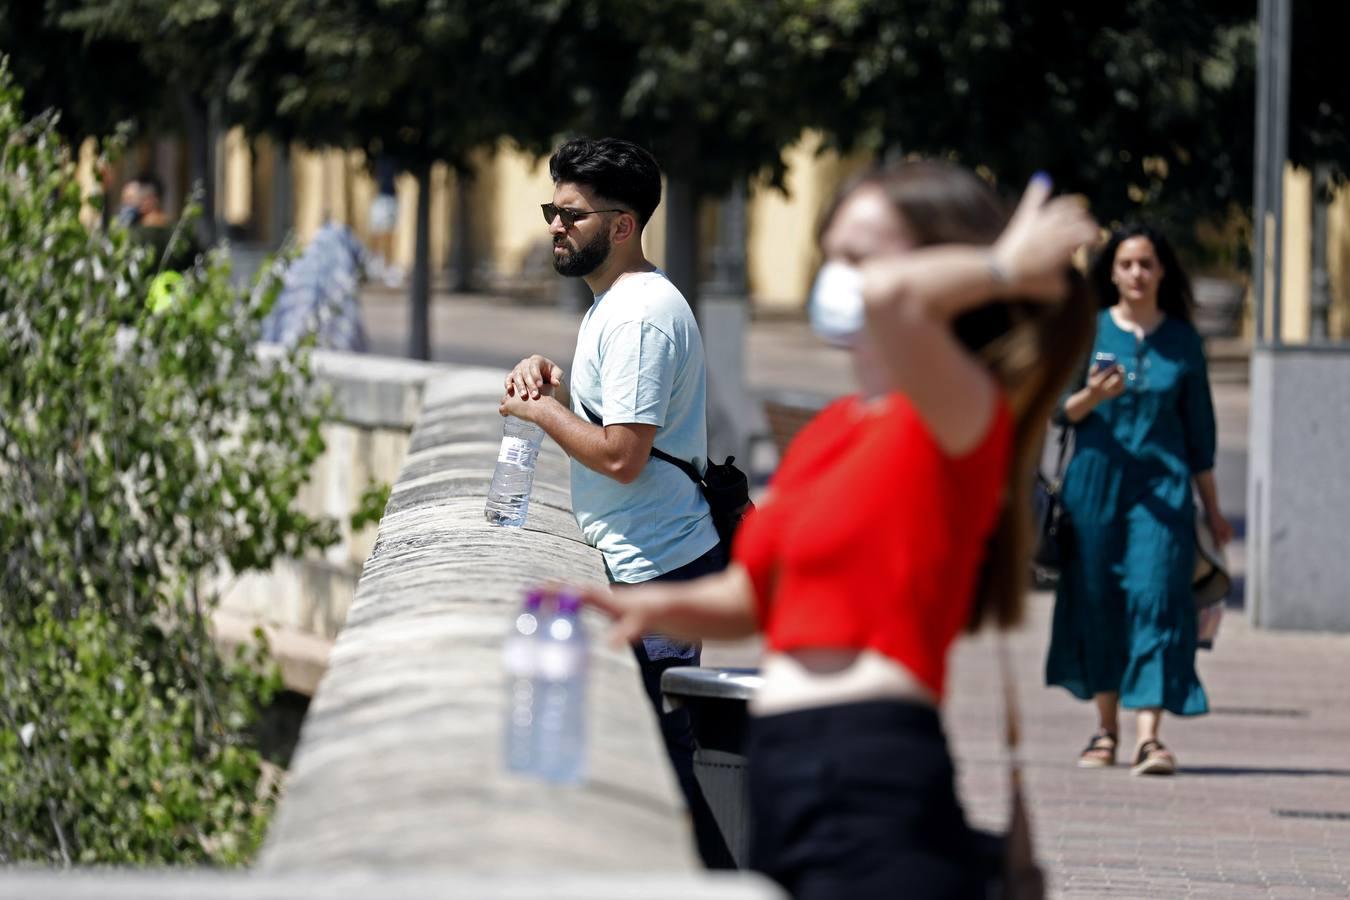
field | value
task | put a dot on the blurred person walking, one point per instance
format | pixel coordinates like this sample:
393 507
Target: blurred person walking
1124 631
638 383
382 221
142 212
897 519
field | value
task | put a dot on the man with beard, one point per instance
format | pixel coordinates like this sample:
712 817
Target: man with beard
637 383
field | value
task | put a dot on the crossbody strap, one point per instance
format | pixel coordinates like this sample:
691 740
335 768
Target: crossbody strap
1011 720
1012 724
686 467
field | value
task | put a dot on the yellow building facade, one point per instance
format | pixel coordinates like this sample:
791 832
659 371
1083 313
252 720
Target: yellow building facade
507 230
511 242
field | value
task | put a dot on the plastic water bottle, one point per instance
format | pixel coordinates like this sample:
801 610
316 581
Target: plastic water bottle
520 660
561 695
509 497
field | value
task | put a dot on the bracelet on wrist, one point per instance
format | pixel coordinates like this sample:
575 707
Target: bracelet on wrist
998 272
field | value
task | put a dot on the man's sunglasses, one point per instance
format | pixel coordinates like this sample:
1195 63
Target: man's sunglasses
570 217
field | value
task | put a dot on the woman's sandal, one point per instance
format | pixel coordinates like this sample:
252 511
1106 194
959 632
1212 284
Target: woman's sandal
1100 752
1152 758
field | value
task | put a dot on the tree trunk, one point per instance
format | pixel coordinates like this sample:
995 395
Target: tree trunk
574 296
167 155
1321 279
682 237
682 218
461 238
213 210
419 340
196 122
282 193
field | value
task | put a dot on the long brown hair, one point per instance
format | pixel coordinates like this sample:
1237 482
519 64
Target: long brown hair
1032 349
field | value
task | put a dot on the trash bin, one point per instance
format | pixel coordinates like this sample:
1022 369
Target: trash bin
716 700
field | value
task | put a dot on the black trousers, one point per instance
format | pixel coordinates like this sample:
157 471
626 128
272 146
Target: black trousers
677 728
859 801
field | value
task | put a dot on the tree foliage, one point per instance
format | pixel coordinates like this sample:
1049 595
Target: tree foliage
1143 106
716 89
421 80
1147 103
143 447
1319 92
96 83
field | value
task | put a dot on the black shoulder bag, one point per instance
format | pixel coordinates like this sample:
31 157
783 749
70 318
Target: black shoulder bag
723 485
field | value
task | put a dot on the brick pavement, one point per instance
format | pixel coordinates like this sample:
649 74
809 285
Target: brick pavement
1260 809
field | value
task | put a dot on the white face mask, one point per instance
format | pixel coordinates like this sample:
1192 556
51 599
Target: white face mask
836 304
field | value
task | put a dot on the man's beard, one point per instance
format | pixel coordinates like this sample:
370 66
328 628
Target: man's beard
585 260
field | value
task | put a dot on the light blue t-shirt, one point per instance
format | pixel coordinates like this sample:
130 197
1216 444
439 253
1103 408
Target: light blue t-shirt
639 360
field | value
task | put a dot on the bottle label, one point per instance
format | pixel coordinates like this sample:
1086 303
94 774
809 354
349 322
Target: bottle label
515 450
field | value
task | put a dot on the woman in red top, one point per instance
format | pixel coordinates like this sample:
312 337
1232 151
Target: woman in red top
890 526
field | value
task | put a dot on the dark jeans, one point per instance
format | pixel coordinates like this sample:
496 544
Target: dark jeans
859 801
677 728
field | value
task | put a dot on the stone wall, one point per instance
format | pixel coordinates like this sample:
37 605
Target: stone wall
302 604
399 764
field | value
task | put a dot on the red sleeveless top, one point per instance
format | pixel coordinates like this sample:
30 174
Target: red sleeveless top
872 537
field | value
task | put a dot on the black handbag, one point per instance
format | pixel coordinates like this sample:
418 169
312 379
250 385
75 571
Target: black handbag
1052 522
1211 583
723 485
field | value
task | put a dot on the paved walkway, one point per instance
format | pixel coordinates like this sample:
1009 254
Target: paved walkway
1262 807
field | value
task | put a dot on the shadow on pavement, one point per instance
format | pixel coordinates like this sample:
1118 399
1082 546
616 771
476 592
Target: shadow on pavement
1220 771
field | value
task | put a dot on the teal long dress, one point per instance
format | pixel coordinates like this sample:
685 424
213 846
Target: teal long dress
1124 613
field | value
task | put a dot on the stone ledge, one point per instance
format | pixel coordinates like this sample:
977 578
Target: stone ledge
367 389
399 763
301 656
527 882
375 391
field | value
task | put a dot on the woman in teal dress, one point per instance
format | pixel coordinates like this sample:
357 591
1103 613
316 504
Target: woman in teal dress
1124 632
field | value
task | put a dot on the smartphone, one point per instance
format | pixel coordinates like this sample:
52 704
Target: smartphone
1102 361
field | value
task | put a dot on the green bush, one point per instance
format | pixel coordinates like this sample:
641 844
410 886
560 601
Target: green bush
145 452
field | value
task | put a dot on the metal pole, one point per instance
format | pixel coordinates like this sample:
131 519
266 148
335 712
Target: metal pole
419 337
1261 202
1279 147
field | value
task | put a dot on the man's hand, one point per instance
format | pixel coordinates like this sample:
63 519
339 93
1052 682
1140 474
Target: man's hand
532 376
514 405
